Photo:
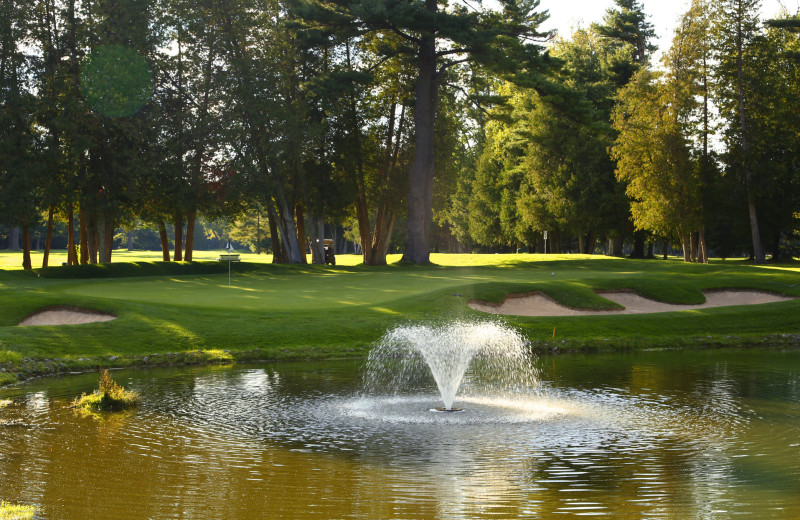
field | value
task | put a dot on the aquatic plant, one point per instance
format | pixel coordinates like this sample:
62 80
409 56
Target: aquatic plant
111 396
16 512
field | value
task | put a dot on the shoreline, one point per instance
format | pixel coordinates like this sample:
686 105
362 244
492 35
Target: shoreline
32 369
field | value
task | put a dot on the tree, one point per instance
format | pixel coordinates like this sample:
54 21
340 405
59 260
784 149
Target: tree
550 170
439 39
627 28
627 25
654 158
736 29
189 95
19 146
689 65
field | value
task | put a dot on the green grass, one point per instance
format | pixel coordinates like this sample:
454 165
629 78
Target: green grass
187 313
16 512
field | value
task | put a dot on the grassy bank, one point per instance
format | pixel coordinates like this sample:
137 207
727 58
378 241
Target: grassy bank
187 313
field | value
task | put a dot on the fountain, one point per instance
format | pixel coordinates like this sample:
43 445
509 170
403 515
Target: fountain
488 356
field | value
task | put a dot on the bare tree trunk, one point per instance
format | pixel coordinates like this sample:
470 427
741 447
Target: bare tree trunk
26 248
48 241
685 247
178 228
362 215
72 255
420 195
286 225
638 244
13 239
92 237
701 243
759 256
84 238
162 231
278 256
190 219
318 242
105 238
302 239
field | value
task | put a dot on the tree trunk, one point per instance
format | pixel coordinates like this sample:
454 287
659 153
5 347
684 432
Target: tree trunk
92 237
362 215
48 241
278 256
286 225
420 195
178 225
162 231
13 239
84 238
638 244
317 236
759 256
684 239
72 255
129 240
26 248
383 236
701 245
105 238
619 245
190 219
302 239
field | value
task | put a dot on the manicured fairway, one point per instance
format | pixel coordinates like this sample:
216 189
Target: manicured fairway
272 311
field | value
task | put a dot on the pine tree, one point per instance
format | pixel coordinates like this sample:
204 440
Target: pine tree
736 29
439 37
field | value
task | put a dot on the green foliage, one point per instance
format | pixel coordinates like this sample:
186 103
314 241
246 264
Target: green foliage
116 81
109 397
654 158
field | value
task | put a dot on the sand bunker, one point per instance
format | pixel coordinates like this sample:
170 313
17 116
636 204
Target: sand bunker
65 316
538 304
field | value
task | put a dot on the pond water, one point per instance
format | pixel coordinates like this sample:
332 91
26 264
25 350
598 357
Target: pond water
711 434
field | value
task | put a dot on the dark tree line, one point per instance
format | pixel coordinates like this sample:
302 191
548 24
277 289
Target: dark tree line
421 124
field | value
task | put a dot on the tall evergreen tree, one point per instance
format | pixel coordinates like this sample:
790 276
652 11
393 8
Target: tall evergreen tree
19 156
439 37
736 29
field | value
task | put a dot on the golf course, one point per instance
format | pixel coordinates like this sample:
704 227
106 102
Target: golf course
181 313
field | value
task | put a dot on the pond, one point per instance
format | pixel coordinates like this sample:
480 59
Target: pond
671 434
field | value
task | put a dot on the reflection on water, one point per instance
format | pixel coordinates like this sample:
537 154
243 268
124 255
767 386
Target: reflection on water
663 435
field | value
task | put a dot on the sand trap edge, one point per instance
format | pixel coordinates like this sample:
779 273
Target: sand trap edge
65 315
538 304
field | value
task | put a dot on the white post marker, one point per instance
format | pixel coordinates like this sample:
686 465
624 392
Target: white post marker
545 242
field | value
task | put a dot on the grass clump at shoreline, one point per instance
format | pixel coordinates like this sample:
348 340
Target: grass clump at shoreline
110 397
10 511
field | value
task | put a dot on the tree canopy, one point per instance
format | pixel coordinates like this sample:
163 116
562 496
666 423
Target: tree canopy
407 125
